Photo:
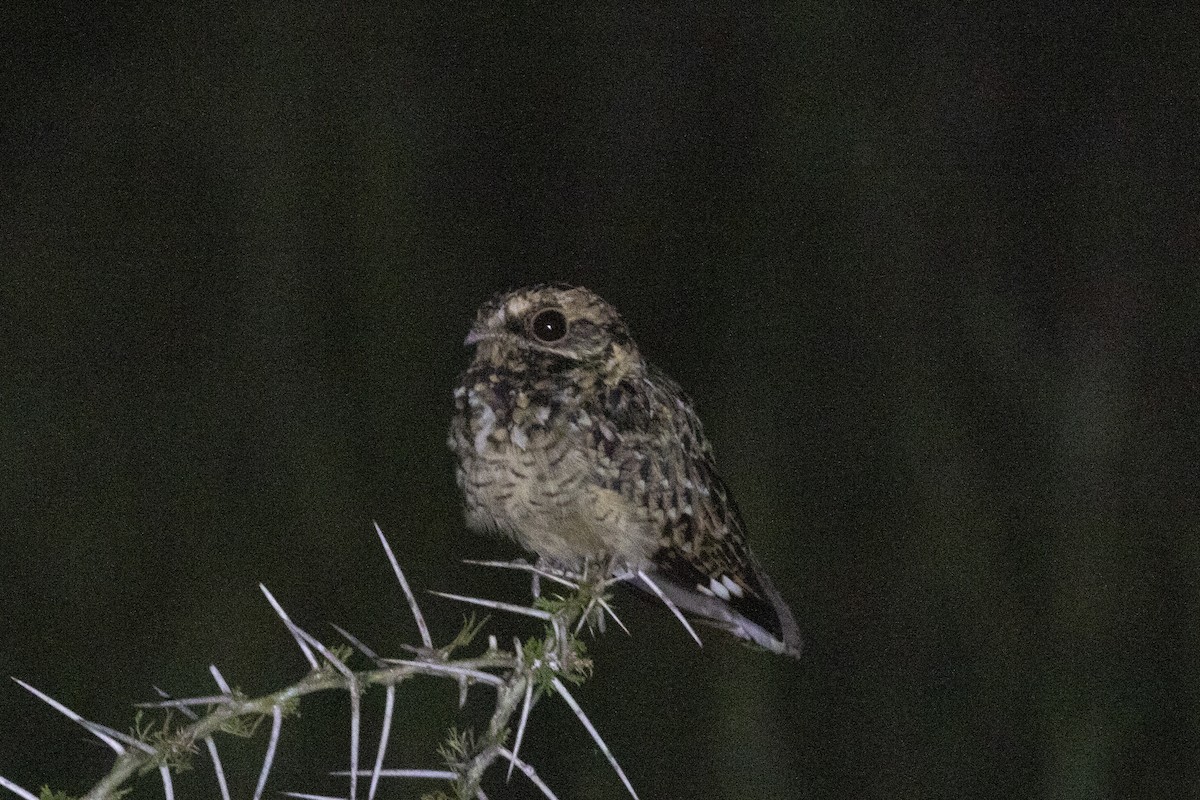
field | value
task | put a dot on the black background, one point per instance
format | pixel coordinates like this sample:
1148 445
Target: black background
929 273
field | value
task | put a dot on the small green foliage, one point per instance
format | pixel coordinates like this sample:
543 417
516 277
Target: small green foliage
586 604
579 666
143 728
549 661
242 727
470 629
342 652
571 606
534 654
47 794
458 747
436 796
174 748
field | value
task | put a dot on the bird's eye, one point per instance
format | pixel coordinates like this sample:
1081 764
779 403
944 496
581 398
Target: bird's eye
549 325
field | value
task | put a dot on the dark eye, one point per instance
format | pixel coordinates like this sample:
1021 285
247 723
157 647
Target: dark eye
549 325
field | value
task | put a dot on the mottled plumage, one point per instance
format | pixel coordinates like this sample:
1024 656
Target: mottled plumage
571 443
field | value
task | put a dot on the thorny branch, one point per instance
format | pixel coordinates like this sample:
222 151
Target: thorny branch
520 677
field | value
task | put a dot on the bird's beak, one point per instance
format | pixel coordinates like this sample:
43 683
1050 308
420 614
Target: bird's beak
491 327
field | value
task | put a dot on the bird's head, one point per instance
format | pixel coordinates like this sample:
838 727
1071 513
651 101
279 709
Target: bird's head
556 326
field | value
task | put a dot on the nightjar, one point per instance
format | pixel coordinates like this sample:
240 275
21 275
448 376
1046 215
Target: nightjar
571 443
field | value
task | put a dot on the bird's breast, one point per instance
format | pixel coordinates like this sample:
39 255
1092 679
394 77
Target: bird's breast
536 468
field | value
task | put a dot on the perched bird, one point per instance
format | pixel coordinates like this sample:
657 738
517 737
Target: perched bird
571 443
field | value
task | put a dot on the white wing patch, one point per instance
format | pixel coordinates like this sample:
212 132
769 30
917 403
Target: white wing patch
718 588
724 588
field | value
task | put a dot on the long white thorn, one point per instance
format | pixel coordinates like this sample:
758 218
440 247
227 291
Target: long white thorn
448 669
222 684
222 784
591 729
498 605
669 604
182 703
96 730
352 639
272 743
355 737
525 707
431 774
408 593
166 696
525 566
560 639
355 702
620 576
17 790
583 618
168 787
389 706
530 773
604 604
291 626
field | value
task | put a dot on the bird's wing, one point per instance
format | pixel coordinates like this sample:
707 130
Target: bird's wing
702 560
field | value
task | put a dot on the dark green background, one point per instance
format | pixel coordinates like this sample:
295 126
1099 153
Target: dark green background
929 274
